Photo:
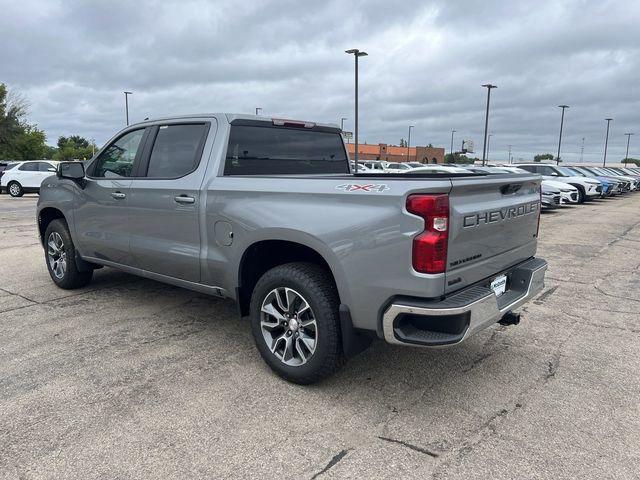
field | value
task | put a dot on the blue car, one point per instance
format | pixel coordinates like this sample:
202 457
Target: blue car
609 186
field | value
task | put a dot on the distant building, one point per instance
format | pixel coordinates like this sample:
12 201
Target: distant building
394 153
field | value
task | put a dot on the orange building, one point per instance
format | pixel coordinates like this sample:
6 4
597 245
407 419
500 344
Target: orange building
393 153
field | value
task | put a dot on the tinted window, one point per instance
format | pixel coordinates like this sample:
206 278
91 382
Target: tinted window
44 167
10 166
176 151
529 168
117 159
267 150
29 167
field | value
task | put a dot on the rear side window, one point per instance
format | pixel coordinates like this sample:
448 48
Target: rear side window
10 166
254 150
29 167
177 150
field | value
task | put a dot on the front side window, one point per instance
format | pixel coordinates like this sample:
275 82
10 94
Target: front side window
117 159
254 150
44 167
176 151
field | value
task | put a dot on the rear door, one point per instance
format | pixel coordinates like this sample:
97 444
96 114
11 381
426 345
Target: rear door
165 199
102 217
493 226
28 175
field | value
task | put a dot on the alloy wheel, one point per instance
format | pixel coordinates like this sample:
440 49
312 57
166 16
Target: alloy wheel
14 189
56 255
288 326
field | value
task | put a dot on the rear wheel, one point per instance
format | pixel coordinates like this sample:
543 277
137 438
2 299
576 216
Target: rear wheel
15 189
60 255
295 322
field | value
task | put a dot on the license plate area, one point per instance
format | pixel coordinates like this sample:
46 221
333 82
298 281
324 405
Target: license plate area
499 285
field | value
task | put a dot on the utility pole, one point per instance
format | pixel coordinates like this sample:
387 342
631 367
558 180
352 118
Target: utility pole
582 150
488 86
509 161
409 142
626 157
606 142
126 104
451 149
563 107
342 123
357 54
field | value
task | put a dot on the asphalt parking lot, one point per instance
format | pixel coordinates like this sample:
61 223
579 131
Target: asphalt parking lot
130 378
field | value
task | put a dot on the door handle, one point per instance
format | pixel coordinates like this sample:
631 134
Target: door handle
118 195
184 199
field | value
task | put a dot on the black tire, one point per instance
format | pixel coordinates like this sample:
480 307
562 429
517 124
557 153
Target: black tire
71 277
316 286
581 194
15 189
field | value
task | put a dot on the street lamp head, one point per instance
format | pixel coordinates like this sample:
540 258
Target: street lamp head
608 119
128 93
629 133
362 54
489 86
356 52
563 106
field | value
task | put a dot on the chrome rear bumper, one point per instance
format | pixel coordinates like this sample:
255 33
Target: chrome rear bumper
408 321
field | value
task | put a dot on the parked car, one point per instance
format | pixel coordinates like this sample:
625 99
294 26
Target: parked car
26 177
624 185
634 183
550 196
3 167
610 186
587 187
266 212
397 167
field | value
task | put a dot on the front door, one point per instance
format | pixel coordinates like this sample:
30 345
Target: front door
164 203
102 218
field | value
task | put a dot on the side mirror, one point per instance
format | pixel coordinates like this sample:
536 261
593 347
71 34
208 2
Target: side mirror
51 169
554 174
71 170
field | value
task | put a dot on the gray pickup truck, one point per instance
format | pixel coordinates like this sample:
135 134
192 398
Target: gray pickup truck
267 212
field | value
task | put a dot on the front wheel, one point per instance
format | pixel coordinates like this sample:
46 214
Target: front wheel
15 189
60 255
295 322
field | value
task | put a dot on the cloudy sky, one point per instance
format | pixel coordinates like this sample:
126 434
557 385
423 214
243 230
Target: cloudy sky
426 63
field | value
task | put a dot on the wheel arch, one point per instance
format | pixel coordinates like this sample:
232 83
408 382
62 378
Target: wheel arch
263 255
45 217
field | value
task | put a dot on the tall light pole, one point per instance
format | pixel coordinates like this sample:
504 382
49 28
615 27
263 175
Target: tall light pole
606 142
342 123
582 150
126 104
409 142
509 153
451 149
489 144
488 86
563 107
356 54
258 110
626 157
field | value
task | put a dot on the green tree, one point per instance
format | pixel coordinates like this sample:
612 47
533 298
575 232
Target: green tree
543 156
73 147
18 139
634 161
458 158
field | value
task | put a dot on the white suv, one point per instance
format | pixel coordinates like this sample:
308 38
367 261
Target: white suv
26 177
587 187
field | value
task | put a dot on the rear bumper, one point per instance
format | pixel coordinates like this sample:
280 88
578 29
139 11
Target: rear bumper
436 323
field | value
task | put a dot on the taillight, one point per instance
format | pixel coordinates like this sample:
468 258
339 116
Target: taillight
430 246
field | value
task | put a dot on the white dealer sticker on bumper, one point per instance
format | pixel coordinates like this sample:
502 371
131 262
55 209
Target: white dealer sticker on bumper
499 285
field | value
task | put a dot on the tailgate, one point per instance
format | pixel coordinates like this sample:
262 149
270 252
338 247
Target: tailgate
493 225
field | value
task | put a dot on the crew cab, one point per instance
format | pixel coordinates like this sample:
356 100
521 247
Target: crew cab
267 212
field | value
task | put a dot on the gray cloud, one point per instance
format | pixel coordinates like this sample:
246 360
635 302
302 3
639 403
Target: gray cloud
426 63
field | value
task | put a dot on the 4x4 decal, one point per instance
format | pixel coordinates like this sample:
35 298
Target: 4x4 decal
359 187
